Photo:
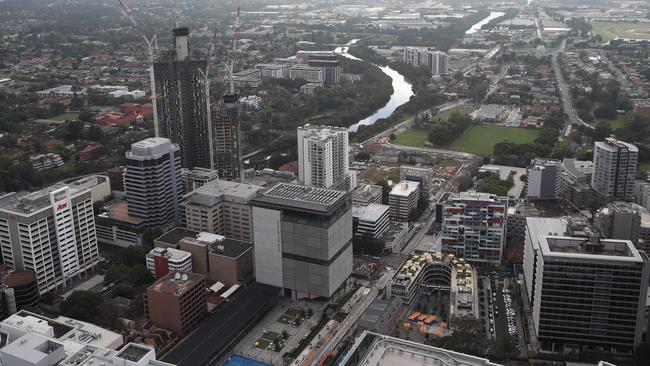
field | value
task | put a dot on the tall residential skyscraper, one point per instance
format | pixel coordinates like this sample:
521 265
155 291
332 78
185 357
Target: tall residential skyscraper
614 169
584 293
50 232
303 239
153 182
323 157
182 103
474 226
439 62
226 137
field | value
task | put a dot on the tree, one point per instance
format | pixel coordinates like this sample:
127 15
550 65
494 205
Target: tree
606 110
367 244
87 306
85 116
601 131
362 156
56 109
504 347
467 336
149 235
94 133
392 137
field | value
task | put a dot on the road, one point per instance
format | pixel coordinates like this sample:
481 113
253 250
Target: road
565 92
494 84
625 83
449 185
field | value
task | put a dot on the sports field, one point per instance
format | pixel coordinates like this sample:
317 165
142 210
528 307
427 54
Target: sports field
480 139
613 30
416 137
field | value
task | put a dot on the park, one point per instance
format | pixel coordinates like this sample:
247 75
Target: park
625 30
477 139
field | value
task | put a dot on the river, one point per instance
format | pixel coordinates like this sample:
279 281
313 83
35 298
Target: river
477 27
402 91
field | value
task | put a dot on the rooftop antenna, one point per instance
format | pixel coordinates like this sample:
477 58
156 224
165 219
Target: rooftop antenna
152 49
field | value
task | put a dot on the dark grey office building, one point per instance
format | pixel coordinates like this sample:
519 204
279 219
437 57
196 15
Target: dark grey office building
182 101
226 137
303 239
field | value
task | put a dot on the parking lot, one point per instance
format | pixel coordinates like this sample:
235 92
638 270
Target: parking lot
497 308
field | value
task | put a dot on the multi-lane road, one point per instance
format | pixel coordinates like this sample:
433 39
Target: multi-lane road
565 92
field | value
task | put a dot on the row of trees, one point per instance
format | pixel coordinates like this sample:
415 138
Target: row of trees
446 131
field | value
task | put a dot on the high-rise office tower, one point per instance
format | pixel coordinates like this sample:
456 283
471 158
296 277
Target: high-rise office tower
614 169
323 157
182 103
50 232
584 293
303 239
226 137
153 182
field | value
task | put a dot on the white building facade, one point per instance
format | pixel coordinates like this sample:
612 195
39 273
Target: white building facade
615 164
323 157
50 232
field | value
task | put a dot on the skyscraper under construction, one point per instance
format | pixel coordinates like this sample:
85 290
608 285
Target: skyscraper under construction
226 137
182 101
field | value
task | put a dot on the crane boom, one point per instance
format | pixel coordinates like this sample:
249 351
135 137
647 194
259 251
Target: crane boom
152 46
234 49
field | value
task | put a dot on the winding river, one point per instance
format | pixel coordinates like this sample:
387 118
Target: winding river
402 91
477 27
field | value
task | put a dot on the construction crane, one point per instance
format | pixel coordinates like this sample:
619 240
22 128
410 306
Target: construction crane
234 50
206 84
152 48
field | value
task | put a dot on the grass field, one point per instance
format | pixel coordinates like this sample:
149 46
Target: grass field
480 139
66 116
613 123
612 30
416 137
264 342
462 109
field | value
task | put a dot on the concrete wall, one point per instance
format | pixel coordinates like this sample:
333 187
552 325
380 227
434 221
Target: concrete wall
268 246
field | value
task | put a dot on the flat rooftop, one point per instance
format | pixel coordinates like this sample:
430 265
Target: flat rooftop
372 212
607 250
612 144
172 254
177 283
173 236
404 188
119 211
219 244
303 197
477 196
220 190
373 349
151 148
26 203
